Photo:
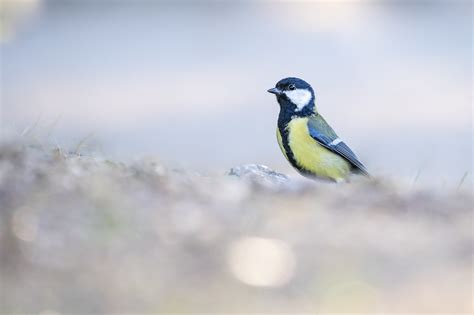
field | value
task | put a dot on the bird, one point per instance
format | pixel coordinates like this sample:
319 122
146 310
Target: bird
307 141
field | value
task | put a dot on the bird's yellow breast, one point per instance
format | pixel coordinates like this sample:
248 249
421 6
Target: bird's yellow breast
309 155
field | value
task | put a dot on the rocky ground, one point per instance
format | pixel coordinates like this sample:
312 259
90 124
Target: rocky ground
80 234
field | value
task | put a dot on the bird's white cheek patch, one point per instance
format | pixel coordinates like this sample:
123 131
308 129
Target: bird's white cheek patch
300 97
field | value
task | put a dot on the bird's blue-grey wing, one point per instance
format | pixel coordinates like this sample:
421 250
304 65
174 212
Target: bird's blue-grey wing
323 133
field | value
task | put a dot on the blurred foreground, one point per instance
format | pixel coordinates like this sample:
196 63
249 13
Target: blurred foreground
84 235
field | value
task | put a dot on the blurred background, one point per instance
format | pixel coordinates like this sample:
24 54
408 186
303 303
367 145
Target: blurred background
182 84
186 81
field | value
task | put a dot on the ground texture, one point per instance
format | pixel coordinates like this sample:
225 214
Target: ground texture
85 235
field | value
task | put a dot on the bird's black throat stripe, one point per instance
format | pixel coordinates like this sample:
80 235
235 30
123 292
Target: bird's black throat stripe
283 119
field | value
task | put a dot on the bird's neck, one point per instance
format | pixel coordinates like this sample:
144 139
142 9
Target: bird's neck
289 112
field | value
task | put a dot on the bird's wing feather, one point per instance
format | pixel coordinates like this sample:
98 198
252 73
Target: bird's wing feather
323 133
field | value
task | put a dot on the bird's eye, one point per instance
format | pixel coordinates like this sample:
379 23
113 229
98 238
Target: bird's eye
291 87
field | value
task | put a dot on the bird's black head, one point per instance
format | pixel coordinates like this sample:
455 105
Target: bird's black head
295 96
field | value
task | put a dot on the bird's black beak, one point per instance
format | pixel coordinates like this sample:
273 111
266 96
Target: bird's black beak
275 91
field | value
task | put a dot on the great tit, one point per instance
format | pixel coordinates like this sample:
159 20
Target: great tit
306 139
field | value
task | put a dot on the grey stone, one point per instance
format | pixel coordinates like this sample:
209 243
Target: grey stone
260 174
